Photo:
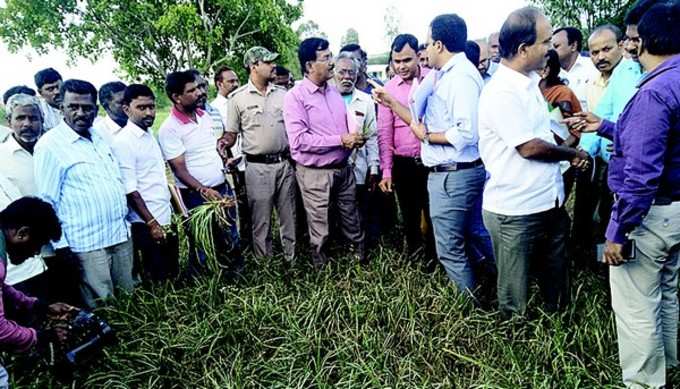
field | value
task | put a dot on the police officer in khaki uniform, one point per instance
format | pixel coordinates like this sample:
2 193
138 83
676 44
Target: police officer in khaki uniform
256 112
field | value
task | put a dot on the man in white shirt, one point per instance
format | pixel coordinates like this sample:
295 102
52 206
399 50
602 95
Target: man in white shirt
365 160
576 69
16 166
449 137
189 145
111 99
524 195
48 81
146 186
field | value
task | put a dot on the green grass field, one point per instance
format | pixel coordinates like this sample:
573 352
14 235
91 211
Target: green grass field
386 325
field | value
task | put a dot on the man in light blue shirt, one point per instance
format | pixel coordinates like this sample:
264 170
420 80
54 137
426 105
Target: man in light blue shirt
76 173
622 86
449 150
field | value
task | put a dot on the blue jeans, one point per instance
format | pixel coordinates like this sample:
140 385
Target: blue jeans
456 212
227 242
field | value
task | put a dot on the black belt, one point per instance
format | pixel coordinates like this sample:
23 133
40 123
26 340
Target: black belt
334 166
453 166
418 161
268 158
666 200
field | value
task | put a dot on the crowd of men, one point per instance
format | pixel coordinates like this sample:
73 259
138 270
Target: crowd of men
481 174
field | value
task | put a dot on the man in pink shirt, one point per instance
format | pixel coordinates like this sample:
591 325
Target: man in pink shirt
400 161
320 143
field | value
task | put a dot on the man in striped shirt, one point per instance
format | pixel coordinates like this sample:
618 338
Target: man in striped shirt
77 174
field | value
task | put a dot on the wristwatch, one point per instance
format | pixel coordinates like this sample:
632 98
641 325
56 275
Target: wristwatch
426 138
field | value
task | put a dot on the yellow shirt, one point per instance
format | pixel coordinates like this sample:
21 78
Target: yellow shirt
595 90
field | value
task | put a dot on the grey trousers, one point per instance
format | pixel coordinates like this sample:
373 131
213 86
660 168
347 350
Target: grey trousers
269 186
320 187
104 270
519 242
645 300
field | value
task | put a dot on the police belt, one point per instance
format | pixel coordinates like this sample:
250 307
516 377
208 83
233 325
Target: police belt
268 158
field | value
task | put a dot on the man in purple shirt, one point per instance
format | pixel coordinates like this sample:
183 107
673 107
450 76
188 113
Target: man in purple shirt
25 226
402 168
644 174
320 143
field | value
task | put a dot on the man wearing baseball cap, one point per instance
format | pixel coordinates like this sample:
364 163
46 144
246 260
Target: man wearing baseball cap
255 112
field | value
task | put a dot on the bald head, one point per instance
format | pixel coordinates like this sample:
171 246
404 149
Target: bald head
494 47
484 56
606 48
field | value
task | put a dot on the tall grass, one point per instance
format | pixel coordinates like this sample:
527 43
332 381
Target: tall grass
384 325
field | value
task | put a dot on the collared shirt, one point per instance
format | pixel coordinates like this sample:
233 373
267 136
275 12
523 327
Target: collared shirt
80 178
578 77
32 266
51 116
315 119
258 118
221 103
4 133
595 90
217 123
17 165
512 111
12 335
645 164
394 135
621 88
452 110
108 129
180 135
361 109
143 170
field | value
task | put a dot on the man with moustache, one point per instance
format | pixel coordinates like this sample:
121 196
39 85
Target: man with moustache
16 165
321 143
484 60
146 186
576 68
524 195
76 172
606 51
255 113
49 81
364 160
644 174
188 143
111 99
402 167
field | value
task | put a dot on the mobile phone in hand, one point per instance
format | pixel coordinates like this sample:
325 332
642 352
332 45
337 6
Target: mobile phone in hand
627 251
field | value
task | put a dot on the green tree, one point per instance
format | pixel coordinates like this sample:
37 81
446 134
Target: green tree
351 36
310 29
584 14
150 38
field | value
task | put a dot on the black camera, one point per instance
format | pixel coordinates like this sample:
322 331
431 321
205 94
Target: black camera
87 336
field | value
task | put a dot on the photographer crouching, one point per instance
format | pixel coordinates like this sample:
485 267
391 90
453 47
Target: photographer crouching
25 226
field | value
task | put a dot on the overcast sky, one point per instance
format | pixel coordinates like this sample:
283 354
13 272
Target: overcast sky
333 17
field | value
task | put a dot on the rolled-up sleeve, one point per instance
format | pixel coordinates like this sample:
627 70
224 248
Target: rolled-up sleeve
463 101
126 162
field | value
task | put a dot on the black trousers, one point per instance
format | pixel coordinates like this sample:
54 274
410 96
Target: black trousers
409 178
592 209
159 260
